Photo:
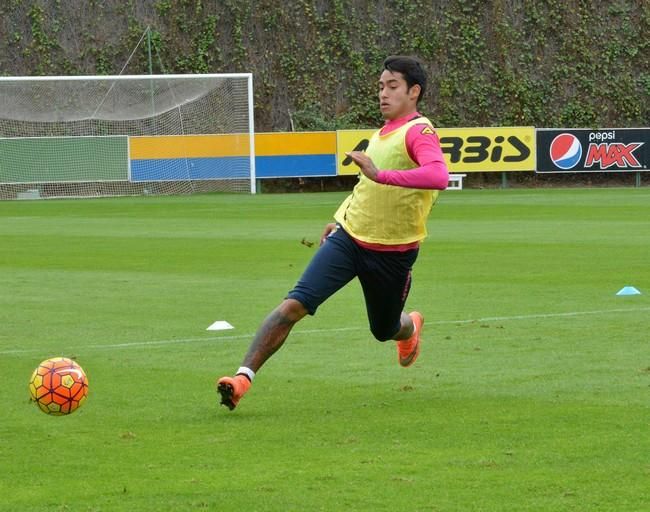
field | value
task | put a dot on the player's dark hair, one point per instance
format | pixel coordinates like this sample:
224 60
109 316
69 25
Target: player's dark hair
411 68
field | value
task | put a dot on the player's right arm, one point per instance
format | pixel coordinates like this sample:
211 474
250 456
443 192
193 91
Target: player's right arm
424 148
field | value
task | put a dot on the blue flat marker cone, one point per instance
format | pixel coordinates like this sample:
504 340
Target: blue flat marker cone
628 290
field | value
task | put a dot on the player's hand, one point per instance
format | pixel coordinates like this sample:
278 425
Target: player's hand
365 164
329 229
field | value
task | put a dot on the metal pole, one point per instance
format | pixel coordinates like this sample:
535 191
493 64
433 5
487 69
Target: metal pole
251 133
149 50
151 89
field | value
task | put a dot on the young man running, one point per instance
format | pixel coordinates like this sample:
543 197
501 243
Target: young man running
377 232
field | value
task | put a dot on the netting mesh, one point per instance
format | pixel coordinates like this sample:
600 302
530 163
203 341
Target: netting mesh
95 136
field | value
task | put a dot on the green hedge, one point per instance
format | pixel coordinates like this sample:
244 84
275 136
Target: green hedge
545 63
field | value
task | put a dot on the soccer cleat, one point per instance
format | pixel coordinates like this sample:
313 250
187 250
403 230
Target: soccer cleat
232 389
408 350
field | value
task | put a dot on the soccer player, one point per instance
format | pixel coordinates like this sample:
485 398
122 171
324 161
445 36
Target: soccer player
377 231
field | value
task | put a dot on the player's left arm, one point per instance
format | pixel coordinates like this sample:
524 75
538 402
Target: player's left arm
423 145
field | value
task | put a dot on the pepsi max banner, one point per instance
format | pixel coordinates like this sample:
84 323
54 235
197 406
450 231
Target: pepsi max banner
584 150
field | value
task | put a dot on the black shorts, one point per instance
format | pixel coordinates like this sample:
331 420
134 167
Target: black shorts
385 278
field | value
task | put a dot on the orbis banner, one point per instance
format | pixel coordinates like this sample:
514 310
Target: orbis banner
584 150
350 140
489 149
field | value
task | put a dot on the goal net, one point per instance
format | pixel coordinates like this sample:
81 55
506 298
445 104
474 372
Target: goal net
126 135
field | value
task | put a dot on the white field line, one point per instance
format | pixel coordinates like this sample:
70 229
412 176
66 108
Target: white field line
299 332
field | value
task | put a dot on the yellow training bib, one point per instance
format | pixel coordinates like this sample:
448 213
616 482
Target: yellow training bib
386 214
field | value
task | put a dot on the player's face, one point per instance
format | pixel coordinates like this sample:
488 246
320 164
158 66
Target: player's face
395 98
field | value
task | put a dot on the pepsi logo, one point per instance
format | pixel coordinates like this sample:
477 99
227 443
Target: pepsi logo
566 151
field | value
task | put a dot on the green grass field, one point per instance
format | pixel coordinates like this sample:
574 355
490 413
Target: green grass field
531 392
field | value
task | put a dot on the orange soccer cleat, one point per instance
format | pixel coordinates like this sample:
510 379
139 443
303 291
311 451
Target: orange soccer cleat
408 350
232 389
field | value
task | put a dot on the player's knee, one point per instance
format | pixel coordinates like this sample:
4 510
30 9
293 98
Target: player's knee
292 310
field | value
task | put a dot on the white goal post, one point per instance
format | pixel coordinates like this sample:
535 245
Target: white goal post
94 136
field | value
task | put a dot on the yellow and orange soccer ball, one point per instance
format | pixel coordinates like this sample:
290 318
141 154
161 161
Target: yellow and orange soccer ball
58 386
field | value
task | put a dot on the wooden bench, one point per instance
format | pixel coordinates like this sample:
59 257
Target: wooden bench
456 181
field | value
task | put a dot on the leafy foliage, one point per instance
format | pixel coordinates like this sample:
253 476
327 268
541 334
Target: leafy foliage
543 63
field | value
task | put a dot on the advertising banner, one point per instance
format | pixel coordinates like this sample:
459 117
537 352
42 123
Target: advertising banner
489 149
350 140
585 150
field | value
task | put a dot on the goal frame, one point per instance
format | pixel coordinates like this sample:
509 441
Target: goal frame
111 78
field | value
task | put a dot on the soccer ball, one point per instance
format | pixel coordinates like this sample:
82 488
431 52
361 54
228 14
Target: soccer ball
59 386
